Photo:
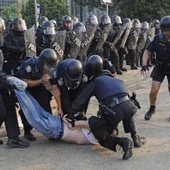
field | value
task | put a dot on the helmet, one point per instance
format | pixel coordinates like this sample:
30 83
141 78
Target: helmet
165 23
48 28
92 20
67 22
75 21
136 23
73 74
42 20
116 20
54 22
156 21
79 27
94 65
105 19
49 57
127 20
66 19
18 24
2 25
145 25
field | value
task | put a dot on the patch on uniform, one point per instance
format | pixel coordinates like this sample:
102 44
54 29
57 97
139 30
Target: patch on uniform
85 78
28 69
60 81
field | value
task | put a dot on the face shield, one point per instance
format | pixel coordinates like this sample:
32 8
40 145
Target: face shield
145 26
19 25
117 20
48 70
72 80
93 20
106 20
50 30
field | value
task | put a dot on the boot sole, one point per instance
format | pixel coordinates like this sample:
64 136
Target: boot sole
128 154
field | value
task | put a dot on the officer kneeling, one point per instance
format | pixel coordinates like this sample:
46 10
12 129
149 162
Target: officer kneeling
115 106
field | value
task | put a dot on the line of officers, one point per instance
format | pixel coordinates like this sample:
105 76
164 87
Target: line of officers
65 82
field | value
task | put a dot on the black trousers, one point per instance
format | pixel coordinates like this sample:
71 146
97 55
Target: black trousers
43 97
103 127
132 57
8 114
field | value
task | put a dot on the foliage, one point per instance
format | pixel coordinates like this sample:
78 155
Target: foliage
53 9
11 11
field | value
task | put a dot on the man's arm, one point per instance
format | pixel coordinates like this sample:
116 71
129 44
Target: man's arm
57 96
145 58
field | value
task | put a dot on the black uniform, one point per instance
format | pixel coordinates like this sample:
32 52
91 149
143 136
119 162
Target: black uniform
110 92
14 51
32 69
161 47
67 95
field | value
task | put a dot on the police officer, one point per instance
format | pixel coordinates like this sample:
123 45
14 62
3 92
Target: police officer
46 38
8 115
161 46
132 43
70 80
66 24
115 106
36 72
14 46
39 29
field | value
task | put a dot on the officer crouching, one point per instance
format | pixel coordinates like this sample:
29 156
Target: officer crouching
115 106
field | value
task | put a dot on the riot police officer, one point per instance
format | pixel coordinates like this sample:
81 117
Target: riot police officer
36 72
115 106
66 24
39 29
161 47
14 46
132 43
70 80
46 38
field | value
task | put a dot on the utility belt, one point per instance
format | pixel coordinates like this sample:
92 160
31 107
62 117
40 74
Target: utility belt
115 100
106 108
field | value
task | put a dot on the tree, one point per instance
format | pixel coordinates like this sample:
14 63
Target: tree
11 11
53 9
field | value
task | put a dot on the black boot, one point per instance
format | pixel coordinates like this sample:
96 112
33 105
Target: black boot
138 141
17 143
150 112
29 136
126 144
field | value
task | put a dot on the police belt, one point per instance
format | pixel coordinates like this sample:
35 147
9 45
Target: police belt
115 100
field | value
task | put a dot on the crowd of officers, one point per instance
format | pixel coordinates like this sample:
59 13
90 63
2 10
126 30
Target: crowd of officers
74 73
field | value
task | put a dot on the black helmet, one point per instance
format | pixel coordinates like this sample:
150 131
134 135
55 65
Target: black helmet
73 74
105 19
19 24
165 23
49 57
2 25
42 20
48 28
94 65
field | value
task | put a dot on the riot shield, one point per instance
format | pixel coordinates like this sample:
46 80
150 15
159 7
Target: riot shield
86 40
59 43
103 37
128 27
76 43
30 45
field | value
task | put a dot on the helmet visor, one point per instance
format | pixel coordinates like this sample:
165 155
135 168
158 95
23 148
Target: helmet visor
49 31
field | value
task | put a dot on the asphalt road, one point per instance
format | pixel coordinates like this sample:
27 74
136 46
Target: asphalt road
52 155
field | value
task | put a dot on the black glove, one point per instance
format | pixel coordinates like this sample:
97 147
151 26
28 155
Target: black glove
71 119
145 68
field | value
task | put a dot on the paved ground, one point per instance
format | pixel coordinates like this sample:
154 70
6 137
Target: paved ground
155 155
